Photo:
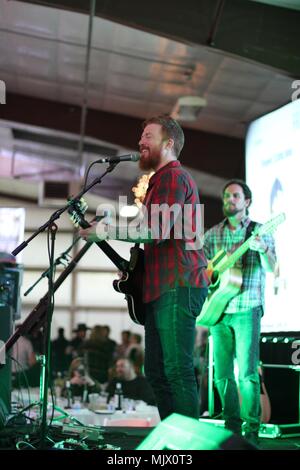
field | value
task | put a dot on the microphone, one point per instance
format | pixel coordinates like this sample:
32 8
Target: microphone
131 157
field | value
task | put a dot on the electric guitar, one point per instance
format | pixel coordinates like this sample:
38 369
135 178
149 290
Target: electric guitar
226 280
131 282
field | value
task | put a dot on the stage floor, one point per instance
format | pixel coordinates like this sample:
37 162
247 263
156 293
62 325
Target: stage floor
112 438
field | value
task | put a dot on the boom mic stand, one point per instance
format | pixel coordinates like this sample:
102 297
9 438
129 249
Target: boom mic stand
36 319
51 226
61 259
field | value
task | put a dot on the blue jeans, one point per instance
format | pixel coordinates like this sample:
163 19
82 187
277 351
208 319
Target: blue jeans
169 345
237 335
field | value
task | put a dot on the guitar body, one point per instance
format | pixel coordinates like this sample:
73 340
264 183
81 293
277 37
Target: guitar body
226 280
131 284
223 288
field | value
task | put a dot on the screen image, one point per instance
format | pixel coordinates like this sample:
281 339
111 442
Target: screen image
12 226
272 173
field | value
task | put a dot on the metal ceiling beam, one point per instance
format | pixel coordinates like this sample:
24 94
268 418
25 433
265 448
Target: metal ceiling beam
84 106
215 154
263 33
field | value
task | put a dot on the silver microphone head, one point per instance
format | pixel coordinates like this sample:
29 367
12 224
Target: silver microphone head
136 157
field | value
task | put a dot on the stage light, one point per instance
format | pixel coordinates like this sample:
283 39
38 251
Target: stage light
188 108
129 211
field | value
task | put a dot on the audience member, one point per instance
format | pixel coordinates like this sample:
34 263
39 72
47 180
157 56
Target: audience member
122 347
79 380
25 369
98 354
23 354
135 387
60 357
111 344
135 352
37 339
76 343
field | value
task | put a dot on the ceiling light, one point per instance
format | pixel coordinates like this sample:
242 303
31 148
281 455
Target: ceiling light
129 211
187 108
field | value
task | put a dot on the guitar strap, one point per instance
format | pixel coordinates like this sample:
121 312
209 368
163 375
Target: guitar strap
249 231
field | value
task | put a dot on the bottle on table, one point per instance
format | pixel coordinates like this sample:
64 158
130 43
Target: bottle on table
119 394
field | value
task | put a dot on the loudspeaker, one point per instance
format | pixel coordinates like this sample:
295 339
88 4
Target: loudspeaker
178 432
283 388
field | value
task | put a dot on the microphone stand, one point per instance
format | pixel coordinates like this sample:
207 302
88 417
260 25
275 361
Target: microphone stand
58 213
47 331
52 227
36 319
61 259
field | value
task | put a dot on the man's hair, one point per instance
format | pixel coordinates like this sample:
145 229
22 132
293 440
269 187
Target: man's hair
171 130
246 190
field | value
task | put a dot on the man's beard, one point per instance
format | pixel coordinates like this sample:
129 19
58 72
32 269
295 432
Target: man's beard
230 212
149 163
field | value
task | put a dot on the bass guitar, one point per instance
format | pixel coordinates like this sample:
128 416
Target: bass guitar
131 282
226 280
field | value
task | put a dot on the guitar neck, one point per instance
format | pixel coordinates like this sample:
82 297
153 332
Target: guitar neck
268 227
118 261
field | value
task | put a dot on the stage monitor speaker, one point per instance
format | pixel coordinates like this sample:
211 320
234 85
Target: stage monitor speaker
3 413
178 432
10 286
6 327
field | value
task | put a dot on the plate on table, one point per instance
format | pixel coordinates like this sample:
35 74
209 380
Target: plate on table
104 412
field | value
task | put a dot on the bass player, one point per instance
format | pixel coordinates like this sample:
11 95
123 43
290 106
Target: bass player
237 332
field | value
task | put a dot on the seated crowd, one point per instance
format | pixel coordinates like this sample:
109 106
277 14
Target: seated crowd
87 364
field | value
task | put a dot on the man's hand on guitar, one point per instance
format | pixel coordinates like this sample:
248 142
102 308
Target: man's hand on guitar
98 231
257 244
209 269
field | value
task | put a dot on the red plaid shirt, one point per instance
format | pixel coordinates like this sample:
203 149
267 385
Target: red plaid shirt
172 260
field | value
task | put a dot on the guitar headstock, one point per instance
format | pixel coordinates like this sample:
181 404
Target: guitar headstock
77 209
271 225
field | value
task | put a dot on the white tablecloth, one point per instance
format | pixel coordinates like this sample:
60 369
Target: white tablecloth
100 416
